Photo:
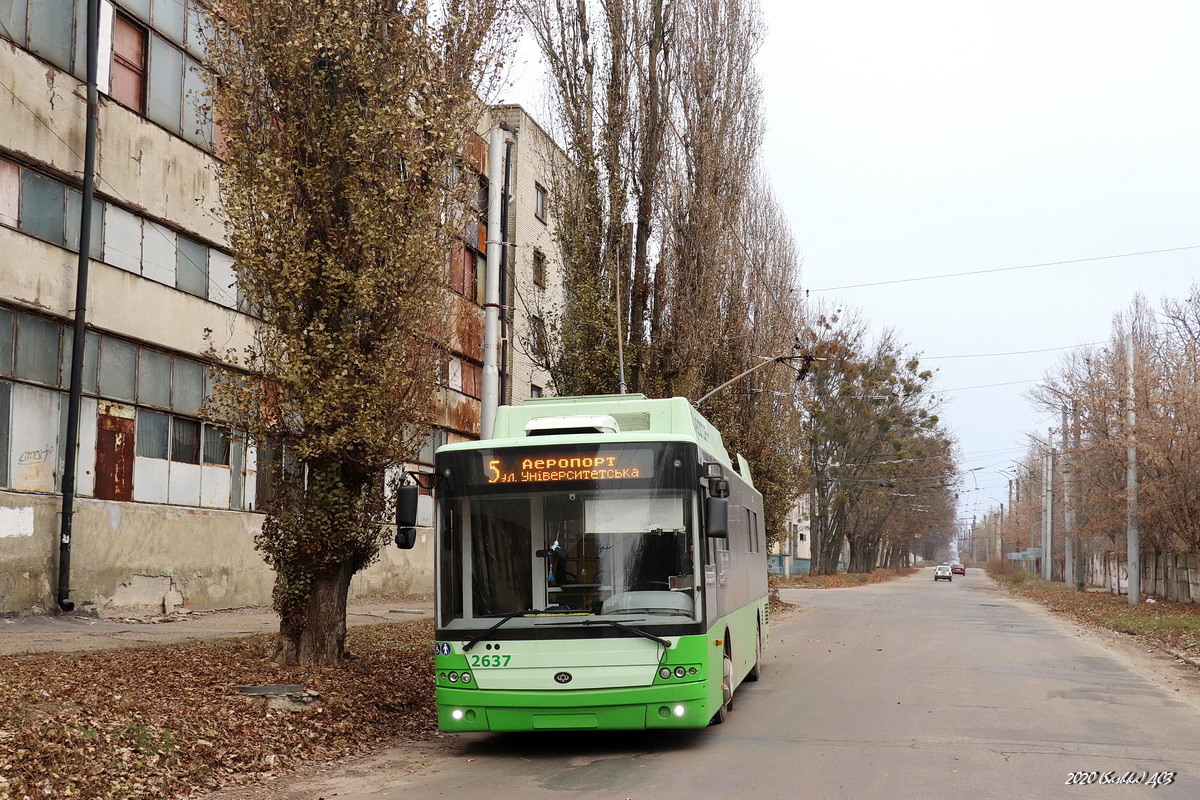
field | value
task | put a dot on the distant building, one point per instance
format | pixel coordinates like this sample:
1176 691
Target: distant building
165 515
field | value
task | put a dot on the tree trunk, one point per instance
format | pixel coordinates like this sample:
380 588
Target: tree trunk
319 637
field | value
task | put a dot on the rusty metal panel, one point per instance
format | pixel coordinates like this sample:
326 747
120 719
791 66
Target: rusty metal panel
215 483
33 445
150 479
468 329
114 451
464 414
183 484
477 153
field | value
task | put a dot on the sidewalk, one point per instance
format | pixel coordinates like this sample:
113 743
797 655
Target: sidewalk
67 633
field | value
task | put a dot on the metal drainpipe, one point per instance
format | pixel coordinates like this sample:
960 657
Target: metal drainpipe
505 384
80 327
491 299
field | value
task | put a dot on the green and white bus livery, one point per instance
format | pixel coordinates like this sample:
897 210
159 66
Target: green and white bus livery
600 563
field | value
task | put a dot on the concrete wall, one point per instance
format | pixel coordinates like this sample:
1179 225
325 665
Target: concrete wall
1173 576
129 558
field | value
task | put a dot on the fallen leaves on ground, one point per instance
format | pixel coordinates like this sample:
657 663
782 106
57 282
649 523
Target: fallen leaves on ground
839 581
167 721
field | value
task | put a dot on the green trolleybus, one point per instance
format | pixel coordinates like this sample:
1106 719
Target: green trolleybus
601 564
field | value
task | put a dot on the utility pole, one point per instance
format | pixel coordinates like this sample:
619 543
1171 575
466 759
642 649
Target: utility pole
1132 543
1069 543
1047 511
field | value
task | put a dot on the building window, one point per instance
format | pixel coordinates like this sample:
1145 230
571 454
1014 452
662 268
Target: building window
191 267
149 446
47 209
537 338
52 29
216 446
38 342
535 390
539 268
472 380
129 63
539 201
464 273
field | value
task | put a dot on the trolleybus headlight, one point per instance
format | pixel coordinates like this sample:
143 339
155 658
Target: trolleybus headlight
692 670
664 673
466 677
457 714
679 711
680 672
453 676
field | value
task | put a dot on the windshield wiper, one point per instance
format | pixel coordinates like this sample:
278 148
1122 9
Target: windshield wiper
499 622
614 623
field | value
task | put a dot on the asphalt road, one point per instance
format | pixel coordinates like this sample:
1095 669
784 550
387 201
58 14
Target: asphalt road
913 688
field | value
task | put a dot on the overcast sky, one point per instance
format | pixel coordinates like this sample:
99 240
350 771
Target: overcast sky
932 137
943 136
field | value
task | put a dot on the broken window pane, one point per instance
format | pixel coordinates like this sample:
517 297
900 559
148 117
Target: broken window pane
153 430
154 378
50 27
118 375
12 22
185 440
37 349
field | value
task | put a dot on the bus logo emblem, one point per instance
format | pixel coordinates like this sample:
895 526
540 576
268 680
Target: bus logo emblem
562 677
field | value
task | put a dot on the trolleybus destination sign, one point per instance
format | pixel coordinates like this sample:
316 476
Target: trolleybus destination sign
550 467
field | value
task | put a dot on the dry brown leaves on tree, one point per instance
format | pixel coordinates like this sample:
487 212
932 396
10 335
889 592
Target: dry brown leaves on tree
164 722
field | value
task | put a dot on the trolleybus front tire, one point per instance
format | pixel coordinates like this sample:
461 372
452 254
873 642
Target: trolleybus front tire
726 688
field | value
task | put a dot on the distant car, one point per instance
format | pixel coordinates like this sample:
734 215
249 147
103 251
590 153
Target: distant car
941 572
958 569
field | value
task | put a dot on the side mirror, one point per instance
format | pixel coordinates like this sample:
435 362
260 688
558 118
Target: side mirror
406 505
406 538
716 517
406 516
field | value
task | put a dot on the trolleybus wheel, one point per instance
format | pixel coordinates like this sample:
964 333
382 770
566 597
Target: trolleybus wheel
753 674
726 687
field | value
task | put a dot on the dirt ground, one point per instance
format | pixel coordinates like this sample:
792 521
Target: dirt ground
68 633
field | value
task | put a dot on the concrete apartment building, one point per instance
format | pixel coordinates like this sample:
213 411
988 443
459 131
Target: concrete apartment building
165 514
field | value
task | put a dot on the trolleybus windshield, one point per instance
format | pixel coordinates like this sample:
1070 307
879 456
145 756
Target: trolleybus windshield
597 533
